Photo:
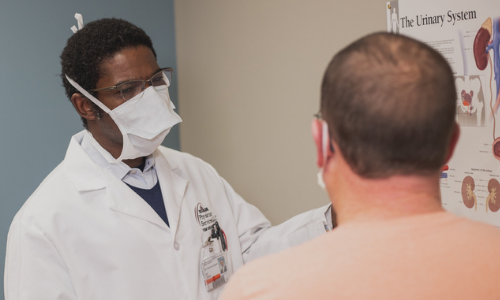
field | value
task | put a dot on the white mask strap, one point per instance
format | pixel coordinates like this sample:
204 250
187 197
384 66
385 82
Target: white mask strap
324 140
324 146
88 95
79 20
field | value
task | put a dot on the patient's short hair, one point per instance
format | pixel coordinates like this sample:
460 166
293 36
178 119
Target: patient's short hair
390 102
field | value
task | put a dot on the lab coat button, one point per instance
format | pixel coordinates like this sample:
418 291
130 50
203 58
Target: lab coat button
177 246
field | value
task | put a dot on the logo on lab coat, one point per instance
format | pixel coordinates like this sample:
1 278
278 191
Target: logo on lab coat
203 216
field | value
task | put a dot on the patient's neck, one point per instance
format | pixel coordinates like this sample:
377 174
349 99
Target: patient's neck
358 199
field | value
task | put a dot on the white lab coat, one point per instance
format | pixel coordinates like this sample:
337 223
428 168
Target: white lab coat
84 234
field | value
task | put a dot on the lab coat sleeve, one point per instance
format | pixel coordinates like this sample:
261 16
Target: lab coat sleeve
295 231
34 268
259 238
250 222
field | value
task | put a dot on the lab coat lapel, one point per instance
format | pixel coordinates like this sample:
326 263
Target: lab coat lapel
173 188
88 176
123 199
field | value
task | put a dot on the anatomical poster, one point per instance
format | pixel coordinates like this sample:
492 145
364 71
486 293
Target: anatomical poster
467 34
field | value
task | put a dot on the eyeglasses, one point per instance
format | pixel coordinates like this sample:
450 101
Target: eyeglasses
130 89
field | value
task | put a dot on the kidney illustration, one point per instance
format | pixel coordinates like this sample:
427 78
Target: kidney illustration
492 201
481 42
468 195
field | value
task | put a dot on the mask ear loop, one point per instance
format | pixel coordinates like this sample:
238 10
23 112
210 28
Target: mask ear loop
324 143
170 103
324 146
88 95
126 142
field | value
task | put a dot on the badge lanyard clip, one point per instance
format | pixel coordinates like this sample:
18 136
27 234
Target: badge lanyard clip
217 233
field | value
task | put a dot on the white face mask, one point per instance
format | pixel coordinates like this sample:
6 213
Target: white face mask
324 146
144 120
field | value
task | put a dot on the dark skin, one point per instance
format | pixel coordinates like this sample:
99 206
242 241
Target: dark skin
133 63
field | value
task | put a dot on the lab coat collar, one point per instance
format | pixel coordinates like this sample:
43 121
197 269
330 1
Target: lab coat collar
81 170
90 173
104 159
87 175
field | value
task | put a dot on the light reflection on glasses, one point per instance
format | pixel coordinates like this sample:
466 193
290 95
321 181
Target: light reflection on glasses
128 90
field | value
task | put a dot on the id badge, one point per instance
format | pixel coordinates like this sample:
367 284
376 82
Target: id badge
215 270
215 261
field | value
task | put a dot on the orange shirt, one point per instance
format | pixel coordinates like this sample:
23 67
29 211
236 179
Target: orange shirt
431 256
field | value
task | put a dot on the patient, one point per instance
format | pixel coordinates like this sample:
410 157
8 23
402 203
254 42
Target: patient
386 126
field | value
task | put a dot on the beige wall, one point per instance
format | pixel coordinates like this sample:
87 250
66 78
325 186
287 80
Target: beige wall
249 77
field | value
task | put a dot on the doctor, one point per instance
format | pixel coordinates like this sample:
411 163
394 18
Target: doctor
122 217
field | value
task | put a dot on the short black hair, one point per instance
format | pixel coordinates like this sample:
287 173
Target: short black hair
390 104
97 41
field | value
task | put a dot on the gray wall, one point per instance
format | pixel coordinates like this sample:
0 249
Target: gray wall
36 119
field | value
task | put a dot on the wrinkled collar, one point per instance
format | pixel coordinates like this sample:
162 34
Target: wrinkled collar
87 174
104 159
